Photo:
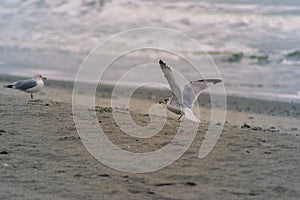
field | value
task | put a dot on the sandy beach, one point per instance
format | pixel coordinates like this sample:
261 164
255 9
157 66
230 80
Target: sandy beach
42 156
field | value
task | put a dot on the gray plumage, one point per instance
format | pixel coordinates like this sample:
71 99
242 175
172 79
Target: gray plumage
182 102
30 86
24 85
190 92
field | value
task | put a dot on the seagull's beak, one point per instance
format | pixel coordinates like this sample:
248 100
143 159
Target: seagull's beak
44 78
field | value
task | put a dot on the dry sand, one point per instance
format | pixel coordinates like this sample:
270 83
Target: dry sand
42 156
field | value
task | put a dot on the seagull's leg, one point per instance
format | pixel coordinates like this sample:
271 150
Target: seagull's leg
31 96
180 116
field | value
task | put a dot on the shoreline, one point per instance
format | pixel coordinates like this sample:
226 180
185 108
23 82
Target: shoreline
68 84
235 103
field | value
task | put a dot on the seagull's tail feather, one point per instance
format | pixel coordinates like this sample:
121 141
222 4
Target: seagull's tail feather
188 113
8 86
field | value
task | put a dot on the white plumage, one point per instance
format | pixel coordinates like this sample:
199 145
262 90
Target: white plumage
181 103
30 86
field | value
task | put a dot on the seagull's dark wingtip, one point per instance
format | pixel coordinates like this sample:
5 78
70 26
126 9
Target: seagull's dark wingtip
8 86
217 81
214 81
161 62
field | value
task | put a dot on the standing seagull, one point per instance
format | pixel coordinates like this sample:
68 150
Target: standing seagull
182 103
30 86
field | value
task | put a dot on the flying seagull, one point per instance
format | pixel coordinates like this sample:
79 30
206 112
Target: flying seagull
30 86
181 103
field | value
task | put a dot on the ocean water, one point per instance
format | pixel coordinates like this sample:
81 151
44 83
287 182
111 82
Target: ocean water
255 44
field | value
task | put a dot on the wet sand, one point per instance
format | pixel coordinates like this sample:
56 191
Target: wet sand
42 156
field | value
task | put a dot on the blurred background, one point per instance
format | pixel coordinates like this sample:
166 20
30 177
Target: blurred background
255 44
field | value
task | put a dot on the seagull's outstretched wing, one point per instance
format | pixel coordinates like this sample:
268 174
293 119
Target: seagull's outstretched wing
192 90
175 101
24 85
171 80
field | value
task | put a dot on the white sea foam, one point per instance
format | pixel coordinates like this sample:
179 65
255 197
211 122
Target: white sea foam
242 37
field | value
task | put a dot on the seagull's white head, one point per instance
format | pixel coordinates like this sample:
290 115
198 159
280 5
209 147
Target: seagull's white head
39 77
